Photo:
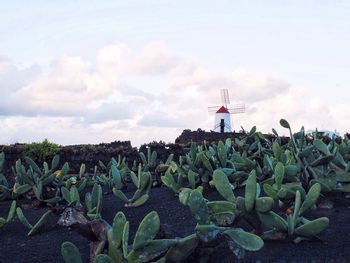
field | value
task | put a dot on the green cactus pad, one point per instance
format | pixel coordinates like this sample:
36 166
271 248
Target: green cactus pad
112 247
144 180
125 239
223 218
206 162
312 228
184 195
96 195
297 205
64 170
209 232
43 219
311 198
322 160
246 240
116 176
154 249
343 177
70 253
182 249
279 174
169 181
32 164
285 193
223 185
12 211
54 162
138 193
147 230
74 196
268 162
250 191
143 158
102 258
321 146
22 189
140 201
273 221
284 123
240 204
119 222
291 170
221 206
192 179
120 195
263 204
270 191
199 207
222 153
22 218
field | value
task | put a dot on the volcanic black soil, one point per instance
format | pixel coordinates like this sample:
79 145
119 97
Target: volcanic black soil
176 219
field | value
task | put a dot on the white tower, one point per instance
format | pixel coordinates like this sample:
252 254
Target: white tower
223 113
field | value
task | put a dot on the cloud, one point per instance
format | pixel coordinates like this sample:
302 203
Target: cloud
13 78
155 58
108 112
154 94
70 85
160 119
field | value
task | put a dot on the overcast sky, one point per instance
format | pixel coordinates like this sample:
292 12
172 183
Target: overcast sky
99 71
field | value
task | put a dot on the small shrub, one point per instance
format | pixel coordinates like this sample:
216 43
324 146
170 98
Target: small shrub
40 151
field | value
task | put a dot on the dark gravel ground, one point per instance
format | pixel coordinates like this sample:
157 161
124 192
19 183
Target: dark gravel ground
15 246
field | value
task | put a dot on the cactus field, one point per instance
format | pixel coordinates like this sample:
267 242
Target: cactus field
254 198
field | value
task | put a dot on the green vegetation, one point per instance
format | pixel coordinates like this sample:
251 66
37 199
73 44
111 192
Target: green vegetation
266 181
40 151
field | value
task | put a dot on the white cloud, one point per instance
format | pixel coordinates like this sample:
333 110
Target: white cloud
155 58
152 95
160 119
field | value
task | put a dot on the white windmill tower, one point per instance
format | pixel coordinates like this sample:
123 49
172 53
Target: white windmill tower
223 113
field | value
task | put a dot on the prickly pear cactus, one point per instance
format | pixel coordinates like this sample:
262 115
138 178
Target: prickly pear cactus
147 230
70 253
223 185
199 207
250 191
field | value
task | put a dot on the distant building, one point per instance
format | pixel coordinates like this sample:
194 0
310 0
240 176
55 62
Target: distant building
327 133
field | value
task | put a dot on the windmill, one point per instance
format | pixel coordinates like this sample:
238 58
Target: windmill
223 113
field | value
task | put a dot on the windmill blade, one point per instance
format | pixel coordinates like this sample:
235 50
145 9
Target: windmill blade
237 108
225 98
213 109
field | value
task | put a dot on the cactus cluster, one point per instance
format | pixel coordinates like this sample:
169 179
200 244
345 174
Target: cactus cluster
144 248
150 161
267 181
10 215
4 185
93 202
207 230
34 180
143 182
295 223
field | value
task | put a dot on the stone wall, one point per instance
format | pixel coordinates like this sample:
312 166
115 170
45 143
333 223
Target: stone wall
76 154
200 135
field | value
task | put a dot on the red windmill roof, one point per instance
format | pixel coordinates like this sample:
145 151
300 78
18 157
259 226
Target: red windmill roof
222 110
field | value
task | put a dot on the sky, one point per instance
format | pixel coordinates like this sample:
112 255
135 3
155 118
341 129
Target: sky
99 71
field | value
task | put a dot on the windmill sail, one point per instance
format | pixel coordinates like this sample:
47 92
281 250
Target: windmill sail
223 112
237 108
225 98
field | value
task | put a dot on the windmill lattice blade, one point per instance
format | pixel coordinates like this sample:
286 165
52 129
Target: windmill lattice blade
225 98
238 108
213 109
